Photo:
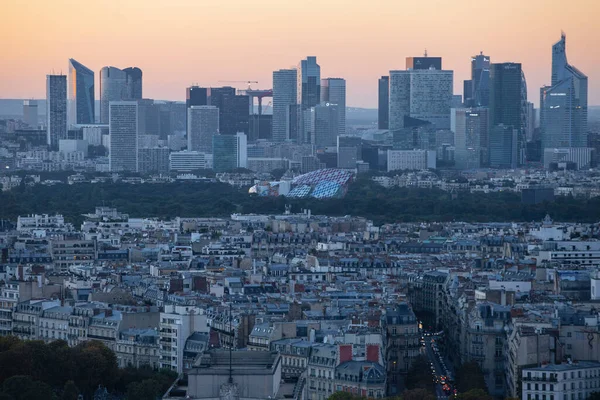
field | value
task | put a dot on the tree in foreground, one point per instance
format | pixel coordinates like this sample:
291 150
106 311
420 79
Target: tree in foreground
419 375
70 391
470 376
344 396
418 394
474 394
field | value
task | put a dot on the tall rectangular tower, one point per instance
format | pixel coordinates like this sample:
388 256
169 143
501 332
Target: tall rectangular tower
309 82
56 109
284 97
333 91
123 131
470 136
203 124
507 106
424 94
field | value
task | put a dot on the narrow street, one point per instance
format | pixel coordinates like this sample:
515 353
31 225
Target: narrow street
439 369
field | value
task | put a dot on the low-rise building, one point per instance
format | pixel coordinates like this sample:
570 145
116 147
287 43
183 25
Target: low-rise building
219 374
137 348
569 381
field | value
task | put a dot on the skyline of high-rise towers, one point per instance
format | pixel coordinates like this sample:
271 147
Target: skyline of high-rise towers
420 96
81 95
563 105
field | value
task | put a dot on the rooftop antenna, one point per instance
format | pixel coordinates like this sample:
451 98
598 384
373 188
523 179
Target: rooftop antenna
425 52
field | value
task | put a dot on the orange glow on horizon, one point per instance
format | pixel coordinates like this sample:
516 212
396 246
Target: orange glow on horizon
180 42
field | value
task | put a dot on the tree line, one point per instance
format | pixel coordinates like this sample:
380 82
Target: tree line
34 370
363 198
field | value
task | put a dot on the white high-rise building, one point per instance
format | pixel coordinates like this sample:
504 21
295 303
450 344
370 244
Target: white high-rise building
333 90
470 127
56 109
203 124
123 132
284 96
242 150
425 94
30 113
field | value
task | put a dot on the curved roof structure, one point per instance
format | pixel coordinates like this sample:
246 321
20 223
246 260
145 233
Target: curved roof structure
339 176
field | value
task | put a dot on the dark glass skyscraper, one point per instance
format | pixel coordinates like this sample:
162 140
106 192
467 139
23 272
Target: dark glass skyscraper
235 114
81 94
503 147
480 75
309 82
195 96
56 109
134 83
477 89
384 103
563 106
309 95
216 96
234 110
468 93
333 91
506 102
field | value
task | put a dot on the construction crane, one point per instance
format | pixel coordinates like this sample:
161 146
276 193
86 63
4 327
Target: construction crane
249 83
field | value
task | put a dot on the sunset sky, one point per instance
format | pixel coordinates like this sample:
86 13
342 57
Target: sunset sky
180 42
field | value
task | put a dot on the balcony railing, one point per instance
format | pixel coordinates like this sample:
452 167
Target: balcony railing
540 379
